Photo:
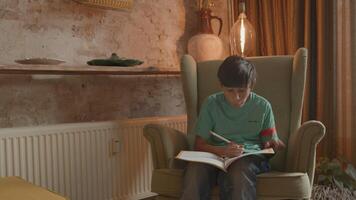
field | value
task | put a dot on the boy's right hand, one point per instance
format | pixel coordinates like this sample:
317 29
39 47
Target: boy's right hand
232 150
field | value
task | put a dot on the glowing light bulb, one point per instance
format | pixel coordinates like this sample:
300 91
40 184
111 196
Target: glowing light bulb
242 35
242 38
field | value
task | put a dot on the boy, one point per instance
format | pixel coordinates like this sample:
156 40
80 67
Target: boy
241 116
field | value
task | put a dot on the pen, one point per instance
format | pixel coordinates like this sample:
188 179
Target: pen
220 137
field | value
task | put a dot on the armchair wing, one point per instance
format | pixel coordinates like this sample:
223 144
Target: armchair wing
166 143
302 148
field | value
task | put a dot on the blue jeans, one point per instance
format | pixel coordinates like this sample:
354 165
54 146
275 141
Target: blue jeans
238 183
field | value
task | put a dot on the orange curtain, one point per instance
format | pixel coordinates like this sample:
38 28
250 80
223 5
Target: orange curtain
271 20
284 26
345 85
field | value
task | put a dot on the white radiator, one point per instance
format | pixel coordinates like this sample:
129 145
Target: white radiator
84 161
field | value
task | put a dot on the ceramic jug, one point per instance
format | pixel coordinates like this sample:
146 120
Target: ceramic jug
205 21
206 45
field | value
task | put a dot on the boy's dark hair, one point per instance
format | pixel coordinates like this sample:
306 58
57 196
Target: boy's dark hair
235 71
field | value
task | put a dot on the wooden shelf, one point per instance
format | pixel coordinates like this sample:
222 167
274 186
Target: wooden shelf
84 70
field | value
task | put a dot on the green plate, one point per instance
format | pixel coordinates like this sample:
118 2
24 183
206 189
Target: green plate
115 60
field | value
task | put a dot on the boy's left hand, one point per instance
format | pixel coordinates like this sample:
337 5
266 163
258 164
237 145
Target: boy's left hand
275 144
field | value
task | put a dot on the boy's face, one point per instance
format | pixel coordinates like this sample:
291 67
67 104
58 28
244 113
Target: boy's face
237 97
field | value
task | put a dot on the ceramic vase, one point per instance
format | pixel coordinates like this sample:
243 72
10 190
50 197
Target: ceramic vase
206 45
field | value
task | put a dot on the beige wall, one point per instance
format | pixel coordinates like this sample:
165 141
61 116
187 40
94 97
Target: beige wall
153 31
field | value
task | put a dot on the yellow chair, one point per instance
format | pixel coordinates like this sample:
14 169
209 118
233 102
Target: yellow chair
280 79
15 188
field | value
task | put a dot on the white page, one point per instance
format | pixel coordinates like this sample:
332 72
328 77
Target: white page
204 157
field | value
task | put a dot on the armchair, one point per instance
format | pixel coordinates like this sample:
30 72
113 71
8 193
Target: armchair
281 79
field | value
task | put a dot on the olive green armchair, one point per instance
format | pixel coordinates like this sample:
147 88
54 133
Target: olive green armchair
281 79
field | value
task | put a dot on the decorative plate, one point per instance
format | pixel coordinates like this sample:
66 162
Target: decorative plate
40 61
115 60
114 4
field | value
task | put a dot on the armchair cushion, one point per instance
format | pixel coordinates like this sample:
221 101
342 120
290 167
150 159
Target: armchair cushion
282 185
169 182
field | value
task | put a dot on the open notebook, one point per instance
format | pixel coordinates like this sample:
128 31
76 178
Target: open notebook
217 161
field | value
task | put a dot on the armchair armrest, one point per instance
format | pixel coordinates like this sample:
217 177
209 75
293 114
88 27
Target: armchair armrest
166 143
302 148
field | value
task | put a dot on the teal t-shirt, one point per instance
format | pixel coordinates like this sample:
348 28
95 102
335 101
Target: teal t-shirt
250 125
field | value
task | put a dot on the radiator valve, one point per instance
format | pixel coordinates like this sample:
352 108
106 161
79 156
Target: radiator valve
114 146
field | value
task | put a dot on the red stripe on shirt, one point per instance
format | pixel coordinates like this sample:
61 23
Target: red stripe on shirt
268 132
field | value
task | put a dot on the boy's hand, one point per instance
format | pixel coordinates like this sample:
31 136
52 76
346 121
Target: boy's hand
232 150
275 144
